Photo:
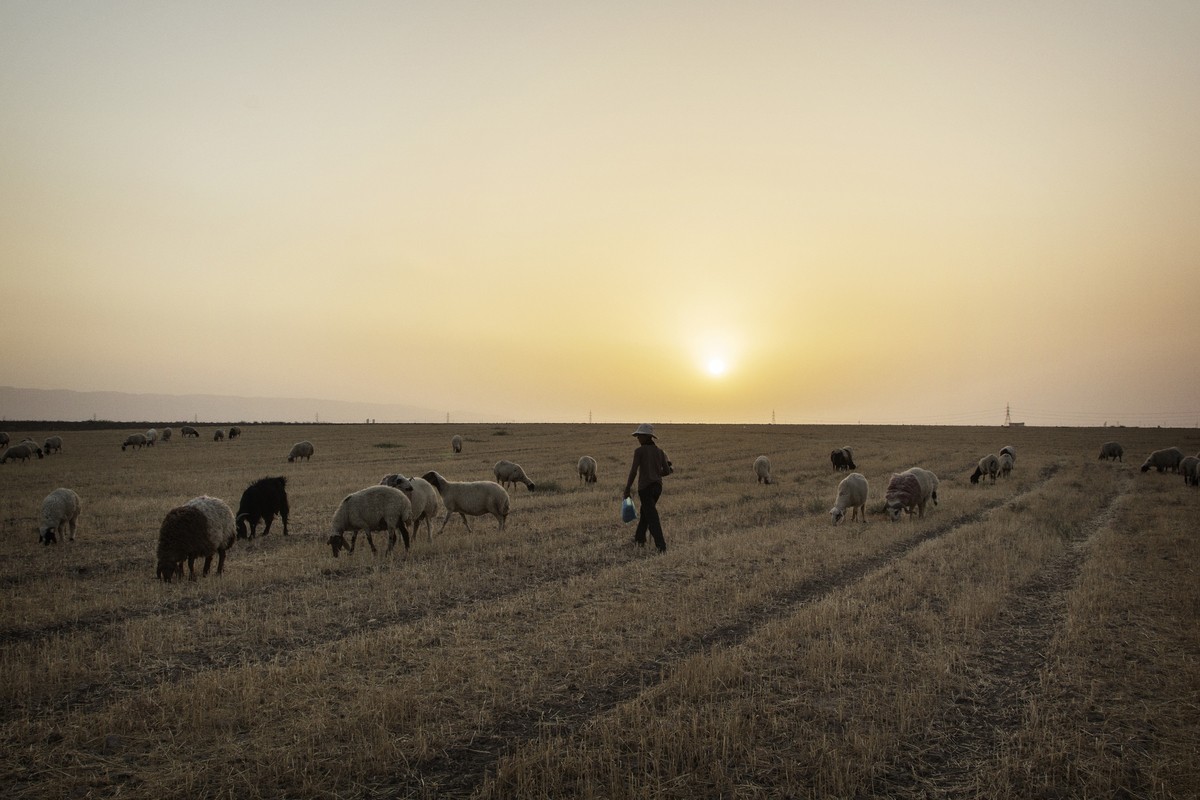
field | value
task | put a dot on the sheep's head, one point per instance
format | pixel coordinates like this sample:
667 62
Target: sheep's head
242 528
837 514
337 543
168 569
894 509
48 536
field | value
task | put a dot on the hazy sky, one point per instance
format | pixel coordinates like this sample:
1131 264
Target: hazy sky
866 211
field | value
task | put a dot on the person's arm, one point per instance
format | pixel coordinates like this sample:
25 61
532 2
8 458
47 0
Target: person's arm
632 474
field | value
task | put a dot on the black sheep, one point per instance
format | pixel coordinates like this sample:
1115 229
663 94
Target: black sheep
842 459
261 501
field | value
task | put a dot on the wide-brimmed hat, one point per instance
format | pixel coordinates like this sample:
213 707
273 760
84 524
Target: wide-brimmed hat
645 428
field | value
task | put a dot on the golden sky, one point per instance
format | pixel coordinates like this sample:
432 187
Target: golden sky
533 211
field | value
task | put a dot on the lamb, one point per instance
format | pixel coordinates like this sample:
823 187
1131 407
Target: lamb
135 440
842 459
166 435
1190 467
587 469
203 526
762 469
234 432
1006 464
422 495
988 465
188 430
456 443
60 509
470 497
23 451
151 437
851 493
509 473
53 444
218 435
260 502
301 450
1169 458
375 508
914 487
1112 451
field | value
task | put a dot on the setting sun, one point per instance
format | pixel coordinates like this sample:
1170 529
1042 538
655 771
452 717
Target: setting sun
717 366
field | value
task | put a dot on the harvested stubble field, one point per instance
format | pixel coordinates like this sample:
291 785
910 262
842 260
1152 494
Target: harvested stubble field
1037 637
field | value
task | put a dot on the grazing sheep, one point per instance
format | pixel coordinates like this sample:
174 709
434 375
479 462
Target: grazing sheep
1006 464
422 495
851 493
1112 451
188 430
587 469
4 440
988 465
166 435
842 459
456 443
914 487
151 437
260 502
135 440
1169 458
234 432
53 444
23 451
375 508
218 435
470 497
301 450
507 473
1190 467
59 509
203 526
762 469
1012 451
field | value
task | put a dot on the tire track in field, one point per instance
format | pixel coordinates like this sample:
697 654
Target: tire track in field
459 771
1004 675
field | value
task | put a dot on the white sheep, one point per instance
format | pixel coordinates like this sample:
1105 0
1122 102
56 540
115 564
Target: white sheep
1012 451
587 469
23 451
1190 467
422 496
134 440
203 526
1006 464
1112 451
60 510
507 473
762 469
1169 458
151 437
475 498
53 444
851 493
988 465
913 488
375 508
301 450
456 443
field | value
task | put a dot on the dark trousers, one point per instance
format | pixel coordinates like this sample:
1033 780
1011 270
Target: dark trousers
648 519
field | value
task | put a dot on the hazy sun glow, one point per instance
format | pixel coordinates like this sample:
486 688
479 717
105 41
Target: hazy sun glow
716 366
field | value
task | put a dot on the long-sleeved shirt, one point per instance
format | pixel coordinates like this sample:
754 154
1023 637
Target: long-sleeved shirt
650 464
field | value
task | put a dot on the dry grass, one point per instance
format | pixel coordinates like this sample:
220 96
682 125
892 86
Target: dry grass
1037 637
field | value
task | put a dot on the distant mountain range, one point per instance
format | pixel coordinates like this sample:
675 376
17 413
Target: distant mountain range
68 406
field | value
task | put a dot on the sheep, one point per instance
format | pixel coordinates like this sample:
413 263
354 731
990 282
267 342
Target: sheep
1164 459
913 487
456 443
234 432
166 435
587 469
1012 451
988 465
1190 467
842 459
509 473
422 495
188 430
1006 464
53 444
135 440
203 526
151 437
762 469
59 509
851 493
260 502
375 508
301 450
470 497
1111 451
218 435
23 451
4 440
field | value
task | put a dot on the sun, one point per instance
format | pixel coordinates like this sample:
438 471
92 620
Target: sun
716 366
